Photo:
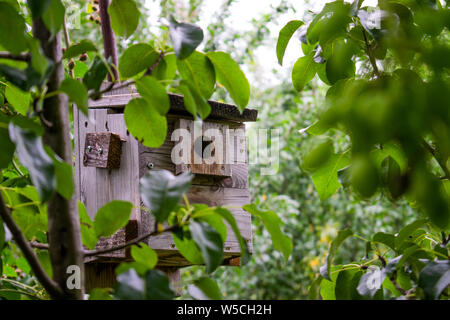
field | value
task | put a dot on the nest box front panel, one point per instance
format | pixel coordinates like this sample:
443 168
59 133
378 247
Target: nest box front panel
101 181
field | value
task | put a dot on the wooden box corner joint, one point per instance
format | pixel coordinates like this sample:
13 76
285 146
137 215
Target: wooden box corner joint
102 150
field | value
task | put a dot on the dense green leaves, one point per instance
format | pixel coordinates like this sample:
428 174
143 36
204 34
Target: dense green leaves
145 123
32 155
6 146
111 217
154 93
231 77
198 70
124 17
136 58
272 223
285 35
14 39
304 70
185 38
205 289
161 192
76 92
210 243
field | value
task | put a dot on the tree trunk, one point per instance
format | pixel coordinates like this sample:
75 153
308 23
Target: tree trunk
64 229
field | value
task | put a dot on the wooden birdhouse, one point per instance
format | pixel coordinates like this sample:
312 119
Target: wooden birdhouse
110 162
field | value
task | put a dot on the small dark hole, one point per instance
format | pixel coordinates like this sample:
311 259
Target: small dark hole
128 133
86 124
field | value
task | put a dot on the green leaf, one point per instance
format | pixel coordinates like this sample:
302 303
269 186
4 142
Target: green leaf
340 65
19 99
145 123
161 191
198 70
12 37
53 17
215 221
16 76
64 175
205 289
230 75
111 217
285 35
314 289
326 177
154 93
166 68
193 101
272 222
303 72
157 286
95 75
188 249
88 236
385 238
144 255
39 61
79 48
209 242
318 156
38 7
100 294
404 234
129 286
77 92
334 246
32 155
185 38
330 23
7 148
124 17
434 278
2 236
136 58
229 218
345 286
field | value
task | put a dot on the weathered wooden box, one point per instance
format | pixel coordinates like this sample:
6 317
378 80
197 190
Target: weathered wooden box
214 184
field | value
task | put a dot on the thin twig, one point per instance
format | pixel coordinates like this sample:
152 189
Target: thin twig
155 64
369 53
67 41
17 168
51 286
129 243
26 57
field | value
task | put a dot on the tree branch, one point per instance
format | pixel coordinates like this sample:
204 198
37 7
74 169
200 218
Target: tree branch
26 57
109 40
129 243
50 286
